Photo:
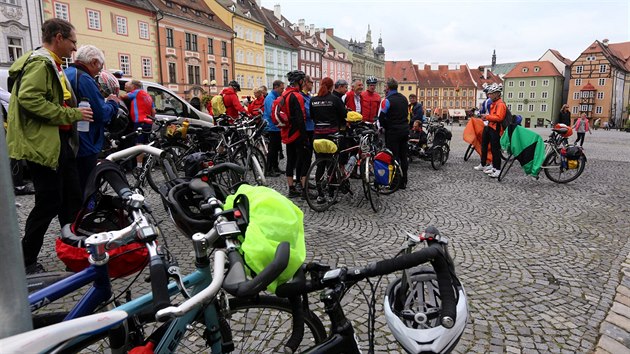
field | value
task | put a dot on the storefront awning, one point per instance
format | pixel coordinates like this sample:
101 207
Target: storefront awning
457 112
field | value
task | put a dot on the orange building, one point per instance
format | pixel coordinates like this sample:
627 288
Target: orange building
600 82
406 73
446 87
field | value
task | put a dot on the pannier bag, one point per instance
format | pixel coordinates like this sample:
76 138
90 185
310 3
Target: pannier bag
384 168
324 146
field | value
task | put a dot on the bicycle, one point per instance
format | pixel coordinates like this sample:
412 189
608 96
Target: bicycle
473 136
561 164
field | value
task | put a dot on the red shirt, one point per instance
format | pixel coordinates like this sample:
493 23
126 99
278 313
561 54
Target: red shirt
369 105
141 106
258 104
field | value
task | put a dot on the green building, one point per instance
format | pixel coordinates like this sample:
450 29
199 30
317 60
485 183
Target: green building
533 89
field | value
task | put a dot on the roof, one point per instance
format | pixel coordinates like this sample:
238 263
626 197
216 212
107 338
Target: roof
588 87
443 77
197 12
141 4
272 35
622 52
243 8
617 53
501 69
491 78
560 57
528 69
402 71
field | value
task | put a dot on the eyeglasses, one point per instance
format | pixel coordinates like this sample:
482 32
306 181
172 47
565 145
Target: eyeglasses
73 41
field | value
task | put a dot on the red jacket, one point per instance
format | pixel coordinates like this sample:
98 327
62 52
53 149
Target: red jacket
257 104
232 103
369 105
349 101
294 109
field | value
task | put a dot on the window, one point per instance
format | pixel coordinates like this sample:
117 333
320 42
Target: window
521 95
510 95
532 95
521 83
602 68
598 110
240 56
421 93
600 95
94 19
15 48
578 82
574 110
576 95
250 59
450 103
525 70
536 69
409 88
172 73
212 74
302 56
224 49
147 67
210 46
225 76
579 69
436 92
121 25
601 82
456 104
428 93
584 108
166 103
511 84
519 107
545 83
194 74
191 42
402 88
543 107
125 64
62 11
532 83
169 38
11 2
590 58
509 106
464 93
435 103
544 94
143 28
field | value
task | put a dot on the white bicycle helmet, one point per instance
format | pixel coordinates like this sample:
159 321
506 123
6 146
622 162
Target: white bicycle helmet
417 325
495 88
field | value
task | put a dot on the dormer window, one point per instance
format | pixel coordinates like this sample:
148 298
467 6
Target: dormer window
169 3
211 17
184 9
248 14
536 69
525 70
232 8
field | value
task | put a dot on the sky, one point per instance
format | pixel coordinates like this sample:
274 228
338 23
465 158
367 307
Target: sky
466 32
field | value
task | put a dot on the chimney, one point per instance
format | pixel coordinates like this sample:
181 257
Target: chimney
434 66
605 42
276 11
485 72
259 3
311 30
330 31
301 25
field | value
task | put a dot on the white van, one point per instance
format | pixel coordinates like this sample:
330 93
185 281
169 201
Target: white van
169 105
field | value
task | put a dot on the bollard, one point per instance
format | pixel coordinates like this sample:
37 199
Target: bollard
16 314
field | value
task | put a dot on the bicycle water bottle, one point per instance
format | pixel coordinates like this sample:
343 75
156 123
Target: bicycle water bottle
184 130
352 161
83 125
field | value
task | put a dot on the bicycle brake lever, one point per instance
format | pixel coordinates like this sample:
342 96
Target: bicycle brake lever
173 272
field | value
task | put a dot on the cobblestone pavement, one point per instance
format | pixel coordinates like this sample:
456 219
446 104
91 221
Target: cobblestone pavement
541 262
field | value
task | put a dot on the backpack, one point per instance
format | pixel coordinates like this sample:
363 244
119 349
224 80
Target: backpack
278 117
271 219
218 106
509 119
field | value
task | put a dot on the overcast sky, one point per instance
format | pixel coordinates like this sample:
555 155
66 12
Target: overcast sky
466 31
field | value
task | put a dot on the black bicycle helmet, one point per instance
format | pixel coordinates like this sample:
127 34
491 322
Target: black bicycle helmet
120 123
295 76
235 85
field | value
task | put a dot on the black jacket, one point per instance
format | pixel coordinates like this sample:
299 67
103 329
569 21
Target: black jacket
394 114
564 117
328 113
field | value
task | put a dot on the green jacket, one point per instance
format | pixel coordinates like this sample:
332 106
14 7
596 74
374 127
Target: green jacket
36 110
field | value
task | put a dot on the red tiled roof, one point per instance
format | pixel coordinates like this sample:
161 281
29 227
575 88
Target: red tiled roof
477 76
545 69
617 53
402 71
443 77
588 87
622 52
561 57
192 8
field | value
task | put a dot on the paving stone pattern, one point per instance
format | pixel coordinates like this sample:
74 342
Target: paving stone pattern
541 262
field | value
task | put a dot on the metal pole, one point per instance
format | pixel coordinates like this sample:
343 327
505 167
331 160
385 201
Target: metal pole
16 315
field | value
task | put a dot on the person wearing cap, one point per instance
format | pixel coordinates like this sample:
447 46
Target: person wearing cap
230 99
352 98
370 100
492 133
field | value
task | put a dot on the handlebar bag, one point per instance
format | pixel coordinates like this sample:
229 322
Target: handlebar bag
273 219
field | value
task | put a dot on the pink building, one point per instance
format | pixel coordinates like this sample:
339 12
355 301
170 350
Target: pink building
334 63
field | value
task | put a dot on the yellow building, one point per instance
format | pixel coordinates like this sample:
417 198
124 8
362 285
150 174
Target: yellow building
125 33
248 44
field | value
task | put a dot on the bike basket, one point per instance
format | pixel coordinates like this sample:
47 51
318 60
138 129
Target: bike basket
383 168
272 219
324 146
573 152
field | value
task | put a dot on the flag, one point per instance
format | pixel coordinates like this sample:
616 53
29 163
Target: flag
526 146
472 135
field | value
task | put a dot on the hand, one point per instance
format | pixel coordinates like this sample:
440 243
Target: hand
113 98
86 113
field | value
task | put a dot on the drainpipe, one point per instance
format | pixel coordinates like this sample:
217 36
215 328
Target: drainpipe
159 46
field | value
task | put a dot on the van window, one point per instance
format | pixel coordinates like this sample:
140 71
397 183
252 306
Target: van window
165 103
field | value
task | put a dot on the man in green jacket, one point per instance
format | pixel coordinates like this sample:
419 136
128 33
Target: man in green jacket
41 114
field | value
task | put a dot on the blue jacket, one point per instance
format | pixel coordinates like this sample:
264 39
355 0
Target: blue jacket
91 142
271 96
310 125
485 107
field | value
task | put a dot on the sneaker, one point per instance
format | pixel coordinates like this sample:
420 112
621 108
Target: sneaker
271 173
293 192
495 174
489 170
535 178
479 167
35 268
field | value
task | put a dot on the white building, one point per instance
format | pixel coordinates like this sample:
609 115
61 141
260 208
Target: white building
21 27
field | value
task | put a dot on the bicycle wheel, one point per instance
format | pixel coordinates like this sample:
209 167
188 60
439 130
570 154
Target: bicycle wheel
322 184
161 170
264 325
506 167
446 150
557 169
436 158
254 165
371 189
178 152
469 152
396 180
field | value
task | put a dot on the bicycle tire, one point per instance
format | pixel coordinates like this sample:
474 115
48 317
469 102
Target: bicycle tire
394 185
154 178
446 150
436 158
240 158
251 318
469 152
370 187
506 167
322 185
554 170
178 152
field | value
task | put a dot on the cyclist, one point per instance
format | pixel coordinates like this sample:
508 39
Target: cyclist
273 132
393 117
352 99
492 133
370 100
231 101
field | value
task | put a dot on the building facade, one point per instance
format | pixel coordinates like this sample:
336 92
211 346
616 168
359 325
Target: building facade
564 67
533 89
444 87
195 47
605 67
407 76
281 53
124 30
334 63
248 44
483 76
21 24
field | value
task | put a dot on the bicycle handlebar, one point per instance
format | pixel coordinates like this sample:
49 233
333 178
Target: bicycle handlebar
202 297
135 150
